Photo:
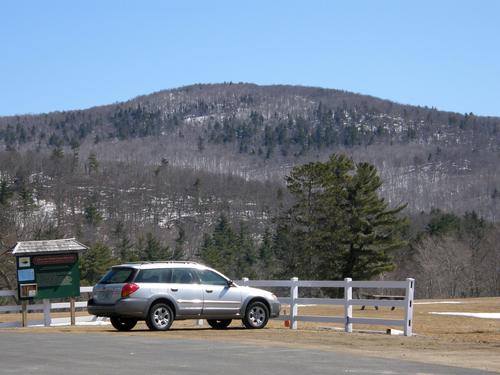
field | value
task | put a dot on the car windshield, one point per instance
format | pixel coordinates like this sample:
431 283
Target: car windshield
118 275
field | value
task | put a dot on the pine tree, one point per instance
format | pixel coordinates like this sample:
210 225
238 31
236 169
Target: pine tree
442 223
285 251
151 249
374 229
95 262
342 226
246 254
317 220
266 247
219 249
123 248
210 254
5 192
26 203
92 215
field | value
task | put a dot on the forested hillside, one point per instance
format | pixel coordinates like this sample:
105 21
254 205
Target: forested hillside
428 158
179 172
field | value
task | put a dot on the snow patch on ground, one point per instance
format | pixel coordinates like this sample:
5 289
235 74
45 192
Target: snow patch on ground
80 321
470 315
96 323
438 302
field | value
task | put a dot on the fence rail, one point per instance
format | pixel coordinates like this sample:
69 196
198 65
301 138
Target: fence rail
293 300
46 307
347 302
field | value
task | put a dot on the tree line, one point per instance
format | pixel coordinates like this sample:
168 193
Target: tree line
329 222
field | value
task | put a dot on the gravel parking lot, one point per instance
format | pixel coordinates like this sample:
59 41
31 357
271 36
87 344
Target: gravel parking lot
461 341
55 354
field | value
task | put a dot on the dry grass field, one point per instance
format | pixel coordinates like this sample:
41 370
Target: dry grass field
449 340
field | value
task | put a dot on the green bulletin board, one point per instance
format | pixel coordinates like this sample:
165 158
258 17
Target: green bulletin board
55 276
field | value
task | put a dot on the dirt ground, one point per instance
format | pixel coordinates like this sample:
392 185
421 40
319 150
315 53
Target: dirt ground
439 339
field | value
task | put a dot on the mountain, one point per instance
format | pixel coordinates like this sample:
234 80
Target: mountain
199 170
427 158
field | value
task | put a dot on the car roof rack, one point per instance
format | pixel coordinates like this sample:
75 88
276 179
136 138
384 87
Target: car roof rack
164 261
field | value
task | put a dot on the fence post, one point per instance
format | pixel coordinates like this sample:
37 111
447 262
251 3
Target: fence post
46 313
347 304
245 281
294 308
410 293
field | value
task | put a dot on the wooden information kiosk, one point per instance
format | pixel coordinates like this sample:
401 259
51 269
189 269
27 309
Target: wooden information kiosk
48 269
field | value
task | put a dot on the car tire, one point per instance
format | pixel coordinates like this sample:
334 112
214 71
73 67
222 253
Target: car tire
256 315
123 324
160 317
219 323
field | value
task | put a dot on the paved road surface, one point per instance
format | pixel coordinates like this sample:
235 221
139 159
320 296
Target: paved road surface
54 354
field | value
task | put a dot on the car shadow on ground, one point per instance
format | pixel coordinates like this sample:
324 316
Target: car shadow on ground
184 329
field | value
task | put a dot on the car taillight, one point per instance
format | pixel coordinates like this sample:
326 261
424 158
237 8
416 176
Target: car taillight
128 289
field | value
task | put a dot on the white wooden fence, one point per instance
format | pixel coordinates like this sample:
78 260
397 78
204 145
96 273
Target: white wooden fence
293 300
348 301
45 306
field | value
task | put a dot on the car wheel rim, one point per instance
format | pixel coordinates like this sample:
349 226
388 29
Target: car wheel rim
161 317
257 316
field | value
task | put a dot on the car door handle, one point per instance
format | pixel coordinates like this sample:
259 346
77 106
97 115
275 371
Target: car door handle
209 290
174 289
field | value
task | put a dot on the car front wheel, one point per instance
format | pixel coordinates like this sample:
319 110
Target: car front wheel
123 324
160 317
256 315
219 323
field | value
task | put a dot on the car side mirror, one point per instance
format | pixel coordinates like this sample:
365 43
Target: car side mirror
230 283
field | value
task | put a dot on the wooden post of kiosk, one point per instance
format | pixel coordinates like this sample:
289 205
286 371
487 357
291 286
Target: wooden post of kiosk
72 310
47 320
24 313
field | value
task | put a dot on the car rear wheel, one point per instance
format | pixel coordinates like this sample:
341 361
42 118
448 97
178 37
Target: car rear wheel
123 324
160 317
219 323
256 315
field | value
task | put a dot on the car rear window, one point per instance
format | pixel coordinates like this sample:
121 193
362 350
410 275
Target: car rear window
118 275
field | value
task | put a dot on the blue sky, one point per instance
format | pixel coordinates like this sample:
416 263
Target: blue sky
59 55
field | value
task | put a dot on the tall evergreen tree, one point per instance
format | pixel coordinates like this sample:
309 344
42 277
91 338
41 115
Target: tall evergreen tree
234 254
341 225
219 249
123 246
94 263
317 220
92 215
5 192
152 249
246 254
374 228
265 253
285 251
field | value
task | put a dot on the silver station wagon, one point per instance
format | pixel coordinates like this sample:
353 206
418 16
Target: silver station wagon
161 292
